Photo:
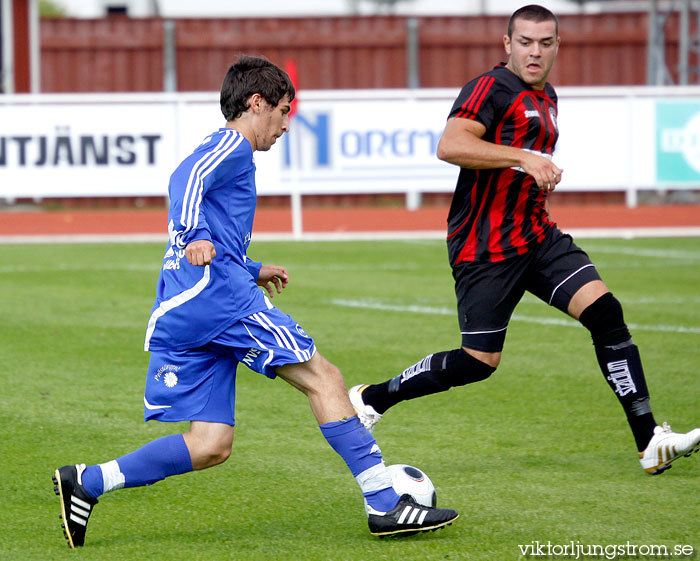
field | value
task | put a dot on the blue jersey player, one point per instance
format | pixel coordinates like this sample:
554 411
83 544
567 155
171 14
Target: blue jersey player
210 314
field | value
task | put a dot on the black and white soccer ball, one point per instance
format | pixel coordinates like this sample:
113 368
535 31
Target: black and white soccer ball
411 480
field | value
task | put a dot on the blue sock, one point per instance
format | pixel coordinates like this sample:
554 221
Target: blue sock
149 464
92 481
357 447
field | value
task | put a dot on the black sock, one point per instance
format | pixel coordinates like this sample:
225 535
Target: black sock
619 360
622 367
435 373
642 428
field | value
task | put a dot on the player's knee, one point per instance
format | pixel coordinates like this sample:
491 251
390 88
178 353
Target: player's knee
323 374
209 444
491 359
214 453
220 455
605 321
333 375
323 378
462 368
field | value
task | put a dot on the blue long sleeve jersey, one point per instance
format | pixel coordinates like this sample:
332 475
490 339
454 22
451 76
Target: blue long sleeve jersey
212 197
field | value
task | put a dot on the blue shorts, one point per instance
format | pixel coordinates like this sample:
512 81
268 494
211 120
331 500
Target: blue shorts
200 384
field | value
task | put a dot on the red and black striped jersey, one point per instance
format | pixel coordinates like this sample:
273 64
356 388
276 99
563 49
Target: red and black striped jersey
499 213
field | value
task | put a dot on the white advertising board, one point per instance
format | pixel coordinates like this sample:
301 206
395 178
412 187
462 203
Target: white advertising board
74 148
386 145
364 141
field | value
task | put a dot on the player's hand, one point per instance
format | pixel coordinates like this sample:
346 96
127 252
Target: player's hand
273 277
200 252
546 174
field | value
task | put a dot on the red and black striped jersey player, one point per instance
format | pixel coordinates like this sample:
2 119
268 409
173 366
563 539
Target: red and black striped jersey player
501 132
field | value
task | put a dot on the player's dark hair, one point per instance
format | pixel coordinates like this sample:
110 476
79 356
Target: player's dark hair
532 12
250 75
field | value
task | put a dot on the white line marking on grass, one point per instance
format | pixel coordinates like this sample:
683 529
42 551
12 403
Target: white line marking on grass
635 300
380 306
72 268
674 301
646 252
646 264
632 233
619 233
440 311
83 238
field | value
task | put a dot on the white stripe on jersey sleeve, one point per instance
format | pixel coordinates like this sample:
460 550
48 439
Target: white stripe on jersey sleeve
187 200
191 181
192 198
209 169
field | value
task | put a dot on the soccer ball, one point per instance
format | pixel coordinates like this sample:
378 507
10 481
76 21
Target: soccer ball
411 480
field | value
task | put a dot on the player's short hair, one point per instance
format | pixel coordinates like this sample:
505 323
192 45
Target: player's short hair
532 12
250 75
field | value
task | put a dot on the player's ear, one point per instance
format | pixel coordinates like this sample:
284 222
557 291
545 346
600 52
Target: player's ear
506 44
255 102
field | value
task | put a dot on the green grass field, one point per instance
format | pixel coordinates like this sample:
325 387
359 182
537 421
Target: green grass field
539 452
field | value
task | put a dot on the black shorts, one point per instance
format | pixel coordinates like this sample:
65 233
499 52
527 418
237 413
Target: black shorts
487 292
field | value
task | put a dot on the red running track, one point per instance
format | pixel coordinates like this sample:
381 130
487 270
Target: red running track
336 220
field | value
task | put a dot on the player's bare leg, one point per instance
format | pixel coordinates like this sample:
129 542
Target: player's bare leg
388 514
323 384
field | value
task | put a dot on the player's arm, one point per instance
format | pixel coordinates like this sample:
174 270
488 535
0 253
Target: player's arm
273 277
270 277
461 144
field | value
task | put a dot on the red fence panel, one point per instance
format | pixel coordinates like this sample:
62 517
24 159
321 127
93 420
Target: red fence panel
601 49
122 54
114 54
330 52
